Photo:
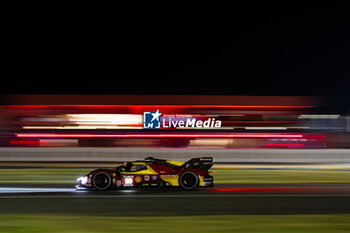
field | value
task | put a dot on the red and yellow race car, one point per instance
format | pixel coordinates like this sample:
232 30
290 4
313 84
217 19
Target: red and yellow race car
151 172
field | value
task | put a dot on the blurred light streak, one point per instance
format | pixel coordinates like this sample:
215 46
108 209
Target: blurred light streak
82 127
59 142
319 116
284 145
53 135
158 106
247 189
29 142
106 118
262 189
266 128
86 121
210 142
207 128
41 127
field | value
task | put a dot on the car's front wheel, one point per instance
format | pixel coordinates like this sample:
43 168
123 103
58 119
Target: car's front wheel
188 180
101 181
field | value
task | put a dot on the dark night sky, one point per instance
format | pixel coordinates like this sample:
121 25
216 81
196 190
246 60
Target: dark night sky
249 48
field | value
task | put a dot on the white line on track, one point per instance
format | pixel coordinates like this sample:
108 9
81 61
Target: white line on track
34 190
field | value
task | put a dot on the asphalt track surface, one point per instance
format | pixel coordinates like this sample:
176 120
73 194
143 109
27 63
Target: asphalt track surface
224 199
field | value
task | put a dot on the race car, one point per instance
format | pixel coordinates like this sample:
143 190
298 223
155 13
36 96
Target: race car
151 172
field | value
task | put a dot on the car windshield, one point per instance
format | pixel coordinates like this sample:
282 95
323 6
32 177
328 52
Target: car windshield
130 168
135 168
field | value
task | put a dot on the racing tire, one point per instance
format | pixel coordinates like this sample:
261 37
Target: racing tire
101 181
188 180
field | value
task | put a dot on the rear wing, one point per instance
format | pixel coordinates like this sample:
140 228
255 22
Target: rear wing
202 164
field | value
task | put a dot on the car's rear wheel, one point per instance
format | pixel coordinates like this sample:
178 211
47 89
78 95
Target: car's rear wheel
188 180
101 181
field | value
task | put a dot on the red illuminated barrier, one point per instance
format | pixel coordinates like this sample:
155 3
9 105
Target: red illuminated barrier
163 135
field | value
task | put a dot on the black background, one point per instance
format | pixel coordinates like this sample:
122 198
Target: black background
172 47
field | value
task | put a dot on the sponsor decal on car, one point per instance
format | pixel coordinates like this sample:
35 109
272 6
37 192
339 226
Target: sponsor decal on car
138 179
128 181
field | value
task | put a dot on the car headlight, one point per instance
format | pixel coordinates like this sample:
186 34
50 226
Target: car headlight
83 179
